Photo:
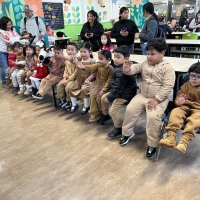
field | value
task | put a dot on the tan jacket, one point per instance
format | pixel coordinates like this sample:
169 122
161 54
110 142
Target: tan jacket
192 95
69 69
157 81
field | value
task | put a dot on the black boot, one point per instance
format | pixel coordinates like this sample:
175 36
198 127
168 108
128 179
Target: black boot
116 132
34 91
104 118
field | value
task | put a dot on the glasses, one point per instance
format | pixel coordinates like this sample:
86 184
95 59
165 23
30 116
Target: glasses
194 76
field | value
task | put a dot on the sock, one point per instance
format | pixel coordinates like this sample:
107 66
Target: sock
74 101
86 102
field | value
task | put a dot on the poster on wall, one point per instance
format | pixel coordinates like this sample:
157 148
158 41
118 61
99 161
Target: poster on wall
53 15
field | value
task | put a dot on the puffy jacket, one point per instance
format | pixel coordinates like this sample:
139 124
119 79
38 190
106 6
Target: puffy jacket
149 30
32 27
157 81
122 86
97 30
128 25
42 71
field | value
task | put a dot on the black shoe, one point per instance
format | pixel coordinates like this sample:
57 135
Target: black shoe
37 96
34 91
74 108
104 118
124 139
61 103
85 110
151 152
116 132
68 106
15 89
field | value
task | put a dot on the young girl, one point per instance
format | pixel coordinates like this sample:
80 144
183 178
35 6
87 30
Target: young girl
62 92
106 43
102 83
28 70
81 80
49 31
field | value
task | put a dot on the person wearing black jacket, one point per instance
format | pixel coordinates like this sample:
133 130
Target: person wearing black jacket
124 30
92 30
123 89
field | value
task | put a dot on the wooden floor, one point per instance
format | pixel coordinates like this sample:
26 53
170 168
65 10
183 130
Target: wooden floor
47 154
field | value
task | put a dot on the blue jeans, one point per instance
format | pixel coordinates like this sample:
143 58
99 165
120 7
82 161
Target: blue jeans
143 47
4 65
131 48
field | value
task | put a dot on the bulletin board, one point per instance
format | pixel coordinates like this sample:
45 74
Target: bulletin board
53 15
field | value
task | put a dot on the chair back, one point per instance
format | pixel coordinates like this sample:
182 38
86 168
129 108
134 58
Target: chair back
190 36
60 34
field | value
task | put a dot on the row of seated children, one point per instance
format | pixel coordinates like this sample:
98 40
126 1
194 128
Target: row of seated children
117 87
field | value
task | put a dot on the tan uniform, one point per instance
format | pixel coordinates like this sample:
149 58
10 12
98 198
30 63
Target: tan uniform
77 87
102 82
157 82
190 111
62 90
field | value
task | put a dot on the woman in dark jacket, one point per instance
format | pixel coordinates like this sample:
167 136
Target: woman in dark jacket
124 30
92 30
150 27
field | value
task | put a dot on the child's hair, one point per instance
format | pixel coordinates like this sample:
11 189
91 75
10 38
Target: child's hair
87 46
31 47
195 68
58 48
73 44
124 50
17 45
47 26
108 55
108 39
157 44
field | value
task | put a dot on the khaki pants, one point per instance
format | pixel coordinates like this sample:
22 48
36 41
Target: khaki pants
95 100
154 118
47 83
115 110
177 117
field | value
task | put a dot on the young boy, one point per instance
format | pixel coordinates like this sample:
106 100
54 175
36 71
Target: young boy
188 102
123 89
56 73
157 83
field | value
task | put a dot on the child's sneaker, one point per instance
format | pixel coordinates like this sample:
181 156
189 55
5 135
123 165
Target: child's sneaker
103 119
151 152
116 132
67 106
125 139
21 89
28 90
74 108
37 96
169 141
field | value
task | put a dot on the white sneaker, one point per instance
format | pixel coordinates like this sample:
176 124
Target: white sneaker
28 89
21 89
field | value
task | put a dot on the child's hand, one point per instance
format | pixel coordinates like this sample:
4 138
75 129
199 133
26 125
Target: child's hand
64 82
181 99
152 104
106 100
86 81
127 67
79 64
101 93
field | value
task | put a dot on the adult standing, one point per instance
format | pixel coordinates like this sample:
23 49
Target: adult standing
8 35
150 27
92 30
195 23
124 30
32 24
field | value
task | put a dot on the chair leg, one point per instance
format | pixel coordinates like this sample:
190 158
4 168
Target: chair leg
54 97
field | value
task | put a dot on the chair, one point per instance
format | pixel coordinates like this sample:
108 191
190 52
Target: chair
60 42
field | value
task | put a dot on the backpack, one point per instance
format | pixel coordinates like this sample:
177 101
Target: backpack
159 33
36 20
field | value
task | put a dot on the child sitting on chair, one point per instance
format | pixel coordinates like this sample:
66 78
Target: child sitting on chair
123 89
57 63
157 83
188 102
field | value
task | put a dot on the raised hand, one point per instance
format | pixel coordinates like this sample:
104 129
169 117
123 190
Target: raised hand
127 67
